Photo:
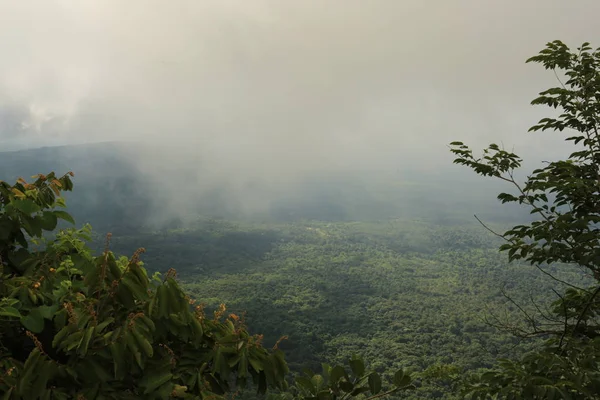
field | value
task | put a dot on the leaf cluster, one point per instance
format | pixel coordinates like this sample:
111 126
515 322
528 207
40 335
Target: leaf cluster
78 326
335 383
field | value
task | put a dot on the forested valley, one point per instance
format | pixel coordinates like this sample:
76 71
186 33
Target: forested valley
299 200
399 293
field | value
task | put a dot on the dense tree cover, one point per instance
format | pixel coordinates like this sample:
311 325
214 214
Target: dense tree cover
565 198
396 292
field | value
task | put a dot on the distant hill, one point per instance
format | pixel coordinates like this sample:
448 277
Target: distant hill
113 192
109 191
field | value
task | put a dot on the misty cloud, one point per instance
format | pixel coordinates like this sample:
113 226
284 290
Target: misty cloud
275 90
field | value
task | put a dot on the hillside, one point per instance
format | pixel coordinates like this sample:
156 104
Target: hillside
122 185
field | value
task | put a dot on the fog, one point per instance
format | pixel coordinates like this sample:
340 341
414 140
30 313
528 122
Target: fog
247 91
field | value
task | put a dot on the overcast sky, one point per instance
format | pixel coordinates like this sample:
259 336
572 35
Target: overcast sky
285 85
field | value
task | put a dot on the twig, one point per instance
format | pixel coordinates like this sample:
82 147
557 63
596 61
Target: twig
560 280
566 326
586 308
489 229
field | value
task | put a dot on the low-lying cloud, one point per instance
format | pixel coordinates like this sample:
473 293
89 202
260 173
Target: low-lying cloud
275 90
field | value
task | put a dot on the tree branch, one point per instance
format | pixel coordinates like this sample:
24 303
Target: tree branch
489 229
585 309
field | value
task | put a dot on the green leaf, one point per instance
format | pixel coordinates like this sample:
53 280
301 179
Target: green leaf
306 384
117 349
48 311
131 283
154 381
33 322
26 206
374 383
357 366
5 229
317 381
85 342
133 347
60 202
60 336
346 386
326 370
179 391
143 343
337 373
256 364
401 379
28 373
44 372
100 327
48 221
64 216
9 312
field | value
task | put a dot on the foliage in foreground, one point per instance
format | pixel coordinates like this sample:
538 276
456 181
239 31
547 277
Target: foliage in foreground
100 328
79 326
334 383
565 198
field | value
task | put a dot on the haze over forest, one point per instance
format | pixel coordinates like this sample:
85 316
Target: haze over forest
247 94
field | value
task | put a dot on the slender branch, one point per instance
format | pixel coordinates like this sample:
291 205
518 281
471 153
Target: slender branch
597 134
558 79
560 280
525 313
489 229
566 322
585 309
383 394
543 313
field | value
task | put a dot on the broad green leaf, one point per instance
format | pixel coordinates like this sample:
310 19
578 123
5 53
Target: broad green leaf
401 379
27 374
346 386
256 364
337 373
326 370
117 350
26 206
64 216
48 311
83 345
9 312
374 383
153 381
48 221
143 343
6 228
357 366
34 321
306 383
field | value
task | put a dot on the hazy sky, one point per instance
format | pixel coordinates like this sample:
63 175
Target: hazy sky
284 85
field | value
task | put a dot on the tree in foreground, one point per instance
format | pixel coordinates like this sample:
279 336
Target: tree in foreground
564 196
75 326
78 326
